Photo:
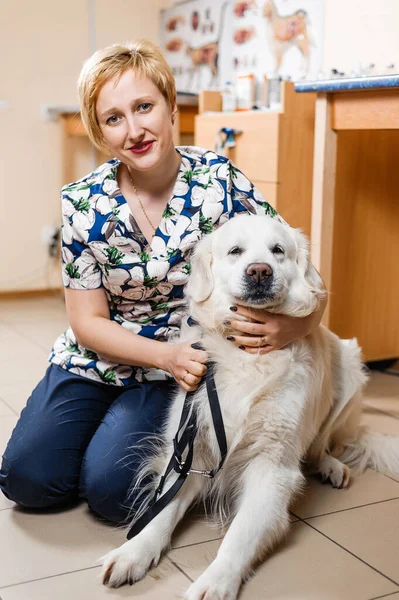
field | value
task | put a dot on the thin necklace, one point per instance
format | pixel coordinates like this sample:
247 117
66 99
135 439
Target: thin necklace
140 202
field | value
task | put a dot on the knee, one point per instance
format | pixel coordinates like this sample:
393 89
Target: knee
106 495
29 486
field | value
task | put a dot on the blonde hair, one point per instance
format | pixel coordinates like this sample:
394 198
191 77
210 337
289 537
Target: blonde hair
113 61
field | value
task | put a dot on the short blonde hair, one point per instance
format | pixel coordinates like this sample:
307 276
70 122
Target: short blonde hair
113 61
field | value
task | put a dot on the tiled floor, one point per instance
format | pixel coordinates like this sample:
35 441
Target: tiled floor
344 545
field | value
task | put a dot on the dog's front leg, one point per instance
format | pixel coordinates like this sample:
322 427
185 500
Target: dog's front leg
261 521
134 558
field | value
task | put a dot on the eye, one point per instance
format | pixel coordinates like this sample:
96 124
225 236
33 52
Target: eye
112 120
236 250
145 107
278 249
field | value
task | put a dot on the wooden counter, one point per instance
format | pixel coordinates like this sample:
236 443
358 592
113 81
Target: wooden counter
355 214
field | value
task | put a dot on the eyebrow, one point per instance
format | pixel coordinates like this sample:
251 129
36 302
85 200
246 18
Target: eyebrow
114 109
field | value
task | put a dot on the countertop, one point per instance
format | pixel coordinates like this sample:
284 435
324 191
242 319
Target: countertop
348 84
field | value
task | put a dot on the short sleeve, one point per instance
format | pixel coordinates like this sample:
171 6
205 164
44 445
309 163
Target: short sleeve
245 197
80 269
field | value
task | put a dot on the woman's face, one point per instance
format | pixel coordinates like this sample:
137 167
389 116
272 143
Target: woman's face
135 120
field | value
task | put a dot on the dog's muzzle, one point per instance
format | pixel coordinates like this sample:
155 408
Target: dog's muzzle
260 273
258 279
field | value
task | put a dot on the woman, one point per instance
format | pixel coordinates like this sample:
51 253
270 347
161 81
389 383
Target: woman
127 229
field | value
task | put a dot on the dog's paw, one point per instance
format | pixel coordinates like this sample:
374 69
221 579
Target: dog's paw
128 564
334 471
214 584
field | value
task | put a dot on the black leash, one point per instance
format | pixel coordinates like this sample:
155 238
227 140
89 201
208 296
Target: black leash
187 431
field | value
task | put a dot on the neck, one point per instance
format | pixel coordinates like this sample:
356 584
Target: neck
155 182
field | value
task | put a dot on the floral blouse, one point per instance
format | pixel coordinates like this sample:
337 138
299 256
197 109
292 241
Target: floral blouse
102 246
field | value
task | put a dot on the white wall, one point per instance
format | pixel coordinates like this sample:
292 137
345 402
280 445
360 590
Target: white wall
363 31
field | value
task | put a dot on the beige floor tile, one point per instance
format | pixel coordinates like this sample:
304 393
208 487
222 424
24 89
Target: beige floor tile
16 394
381 422
4 409
307 567
162 584
43 544
195 528
319 499
43 333
389 406
24 371
370 532
381 387
382 394
15 347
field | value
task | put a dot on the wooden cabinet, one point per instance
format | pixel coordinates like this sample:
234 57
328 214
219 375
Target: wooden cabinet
274 150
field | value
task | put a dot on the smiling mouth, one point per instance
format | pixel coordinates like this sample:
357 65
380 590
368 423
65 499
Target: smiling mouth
141 148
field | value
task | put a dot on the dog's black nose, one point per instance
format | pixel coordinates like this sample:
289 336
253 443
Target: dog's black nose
259 271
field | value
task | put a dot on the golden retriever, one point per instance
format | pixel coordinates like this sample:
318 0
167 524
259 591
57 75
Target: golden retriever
293 406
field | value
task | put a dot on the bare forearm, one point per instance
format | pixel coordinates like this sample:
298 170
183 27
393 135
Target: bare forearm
116 344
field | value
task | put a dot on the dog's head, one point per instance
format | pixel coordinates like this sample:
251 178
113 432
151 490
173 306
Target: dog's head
254 261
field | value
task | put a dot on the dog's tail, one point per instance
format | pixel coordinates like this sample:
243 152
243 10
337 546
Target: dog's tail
377 451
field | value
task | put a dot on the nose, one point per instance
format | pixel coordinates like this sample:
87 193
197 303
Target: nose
259 271
135 129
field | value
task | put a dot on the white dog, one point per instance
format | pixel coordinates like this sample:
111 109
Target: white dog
280 410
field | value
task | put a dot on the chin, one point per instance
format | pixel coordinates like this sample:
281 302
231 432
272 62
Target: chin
258 299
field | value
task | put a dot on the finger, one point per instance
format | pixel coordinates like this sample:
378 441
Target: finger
248 327
255 314
262 350
186 387
196 368
199 356
191 379
253 342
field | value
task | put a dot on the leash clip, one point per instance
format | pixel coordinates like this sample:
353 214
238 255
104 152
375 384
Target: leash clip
180 464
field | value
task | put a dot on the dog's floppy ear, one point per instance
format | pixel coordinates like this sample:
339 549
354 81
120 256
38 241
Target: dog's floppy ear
307 270
200 283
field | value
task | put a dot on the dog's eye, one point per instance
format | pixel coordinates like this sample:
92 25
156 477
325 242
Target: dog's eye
278 249
236 250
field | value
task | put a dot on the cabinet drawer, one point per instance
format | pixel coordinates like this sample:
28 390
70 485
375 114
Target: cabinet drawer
256 152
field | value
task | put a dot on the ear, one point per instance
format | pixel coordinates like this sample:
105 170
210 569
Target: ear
173 113
200 283
310 275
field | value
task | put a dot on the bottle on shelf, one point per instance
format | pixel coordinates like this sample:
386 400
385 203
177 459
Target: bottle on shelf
229 97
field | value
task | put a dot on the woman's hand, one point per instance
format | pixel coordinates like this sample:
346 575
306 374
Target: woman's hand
267 331
186 364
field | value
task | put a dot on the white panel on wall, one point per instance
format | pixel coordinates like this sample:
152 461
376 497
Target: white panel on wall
361 32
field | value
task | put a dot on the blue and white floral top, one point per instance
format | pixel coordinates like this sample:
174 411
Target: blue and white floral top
102 246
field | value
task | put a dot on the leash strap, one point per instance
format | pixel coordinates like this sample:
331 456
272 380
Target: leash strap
187 431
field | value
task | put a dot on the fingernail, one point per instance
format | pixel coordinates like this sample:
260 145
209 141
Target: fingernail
233 308
230 338
227 323
241 347
197 346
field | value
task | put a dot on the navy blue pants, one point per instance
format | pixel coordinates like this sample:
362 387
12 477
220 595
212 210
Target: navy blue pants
73 440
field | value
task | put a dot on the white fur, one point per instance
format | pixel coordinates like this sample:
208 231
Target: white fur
281 410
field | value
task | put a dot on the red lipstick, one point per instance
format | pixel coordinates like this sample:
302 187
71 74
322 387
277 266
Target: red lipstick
141 148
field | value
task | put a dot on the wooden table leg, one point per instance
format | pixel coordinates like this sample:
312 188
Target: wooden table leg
323 198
